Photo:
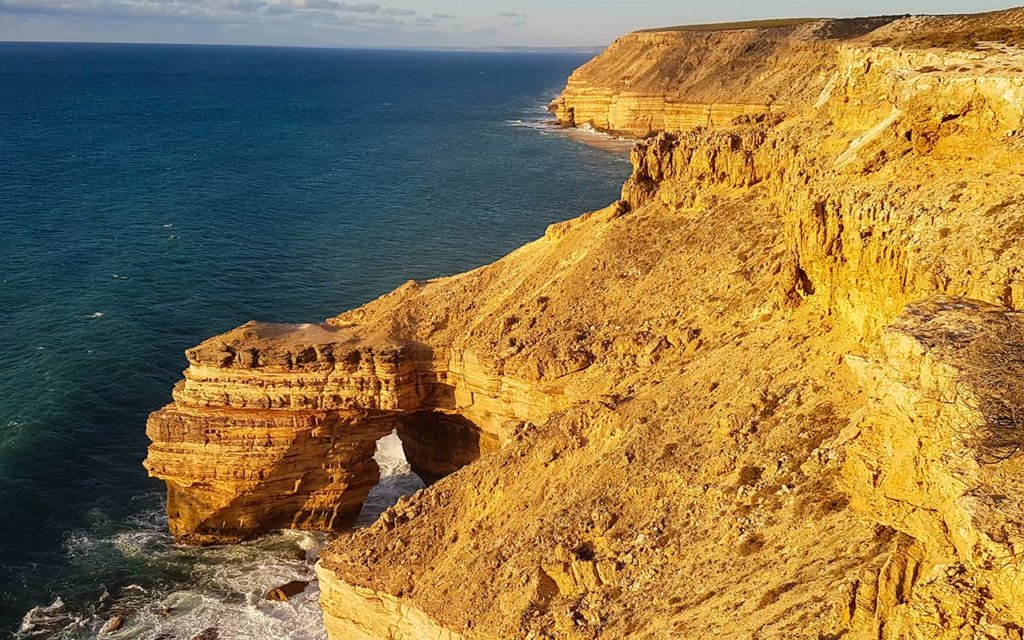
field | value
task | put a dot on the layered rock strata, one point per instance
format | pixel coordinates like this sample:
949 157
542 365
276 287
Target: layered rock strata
922 458
681 78
275 426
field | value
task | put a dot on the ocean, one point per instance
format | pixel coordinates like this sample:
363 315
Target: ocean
153 196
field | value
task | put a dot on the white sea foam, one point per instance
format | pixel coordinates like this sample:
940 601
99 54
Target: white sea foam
186 590
544 126
50 621
586 133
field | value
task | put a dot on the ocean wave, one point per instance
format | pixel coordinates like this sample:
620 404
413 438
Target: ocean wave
166 591
163 590
586 133
544 126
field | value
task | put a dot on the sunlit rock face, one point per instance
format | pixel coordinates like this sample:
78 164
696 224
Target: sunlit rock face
676 79
275 426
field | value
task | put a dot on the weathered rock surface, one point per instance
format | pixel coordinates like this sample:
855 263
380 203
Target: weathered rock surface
771 393
355 613
921 459
111 625
680 78
275 426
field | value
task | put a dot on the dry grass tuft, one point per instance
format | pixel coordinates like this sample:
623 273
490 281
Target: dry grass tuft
993 369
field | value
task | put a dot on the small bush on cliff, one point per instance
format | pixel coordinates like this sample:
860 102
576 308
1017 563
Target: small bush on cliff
993 369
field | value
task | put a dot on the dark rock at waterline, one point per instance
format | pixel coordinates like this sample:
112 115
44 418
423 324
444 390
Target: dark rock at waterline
208 634
287 591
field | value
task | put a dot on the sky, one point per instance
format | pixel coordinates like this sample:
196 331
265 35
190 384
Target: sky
410 23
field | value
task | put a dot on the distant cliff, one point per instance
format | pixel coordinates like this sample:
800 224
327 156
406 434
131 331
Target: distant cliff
776 391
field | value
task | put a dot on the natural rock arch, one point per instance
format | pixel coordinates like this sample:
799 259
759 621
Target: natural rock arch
275 426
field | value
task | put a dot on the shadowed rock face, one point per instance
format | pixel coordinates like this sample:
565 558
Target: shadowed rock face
437 444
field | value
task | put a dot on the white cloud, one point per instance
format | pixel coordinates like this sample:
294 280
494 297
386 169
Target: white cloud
197 9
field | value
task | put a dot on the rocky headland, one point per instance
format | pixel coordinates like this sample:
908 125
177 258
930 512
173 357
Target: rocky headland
776 391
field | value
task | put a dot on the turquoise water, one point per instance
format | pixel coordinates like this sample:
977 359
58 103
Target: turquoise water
151 196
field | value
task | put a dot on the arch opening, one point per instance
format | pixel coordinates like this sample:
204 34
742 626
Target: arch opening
396 480
437 443
425 447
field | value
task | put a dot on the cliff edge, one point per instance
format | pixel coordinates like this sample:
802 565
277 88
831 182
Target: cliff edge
773 392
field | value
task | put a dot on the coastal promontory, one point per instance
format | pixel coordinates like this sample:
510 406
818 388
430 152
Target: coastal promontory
775 391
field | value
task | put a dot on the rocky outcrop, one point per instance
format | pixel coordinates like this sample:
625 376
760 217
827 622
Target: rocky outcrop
866 218
706 76
275 426
771 393
682 78
355 613
923 459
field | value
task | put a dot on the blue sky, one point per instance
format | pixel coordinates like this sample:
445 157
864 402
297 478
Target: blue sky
381 23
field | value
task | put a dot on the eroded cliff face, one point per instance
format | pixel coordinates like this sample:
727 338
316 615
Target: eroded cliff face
926 457
679 78
275 426
774 392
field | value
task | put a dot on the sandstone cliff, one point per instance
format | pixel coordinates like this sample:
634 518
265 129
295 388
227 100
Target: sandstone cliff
774 392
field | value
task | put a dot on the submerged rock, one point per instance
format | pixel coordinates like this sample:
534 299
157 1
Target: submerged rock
210 633
287 591
112 625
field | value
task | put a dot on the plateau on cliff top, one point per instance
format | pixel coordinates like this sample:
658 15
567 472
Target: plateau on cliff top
771 392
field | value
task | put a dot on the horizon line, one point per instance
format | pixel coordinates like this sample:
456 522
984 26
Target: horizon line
487 49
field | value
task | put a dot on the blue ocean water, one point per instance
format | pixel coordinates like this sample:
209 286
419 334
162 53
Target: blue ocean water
151 196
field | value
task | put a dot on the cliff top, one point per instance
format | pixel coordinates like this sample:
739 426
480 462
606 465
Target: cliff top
849 27
983 25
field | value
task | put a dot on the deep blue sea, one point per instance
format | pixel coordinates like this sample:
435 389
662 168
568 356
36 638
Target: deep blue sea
152 196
